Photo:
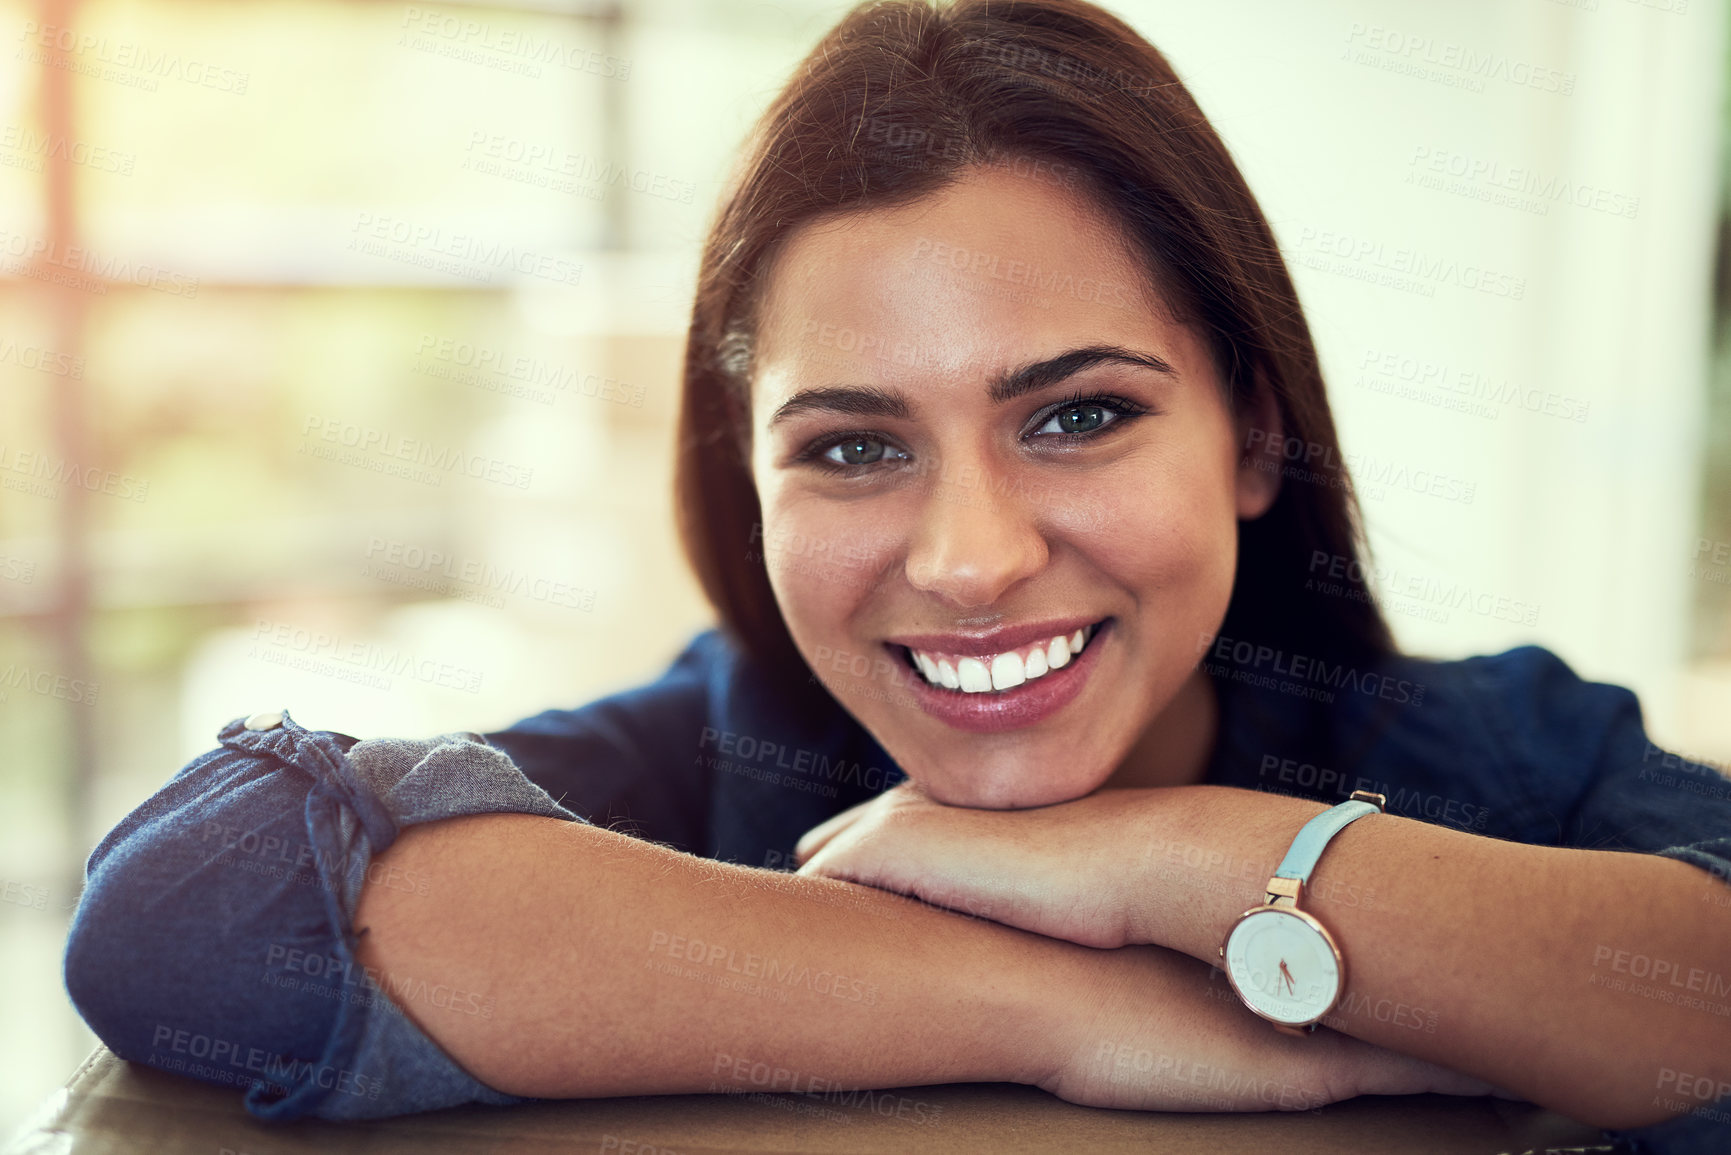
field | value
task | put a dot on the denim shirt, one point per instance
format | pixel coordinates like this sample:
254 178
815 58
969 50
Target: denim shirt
1512 746
711 759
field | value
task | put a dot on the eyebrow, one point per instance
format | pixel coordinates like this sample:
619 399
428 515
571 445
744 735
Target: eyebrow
870 401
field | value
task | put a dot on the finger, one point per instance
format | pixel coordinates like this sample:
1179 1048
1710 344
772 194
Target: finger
815 839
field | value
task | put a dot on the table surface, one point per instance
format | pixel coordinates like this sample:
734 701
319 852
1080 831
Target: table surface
114 1106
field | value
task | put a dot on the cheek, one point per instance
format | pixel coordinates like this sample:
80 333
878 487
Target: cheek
1165 530
824 561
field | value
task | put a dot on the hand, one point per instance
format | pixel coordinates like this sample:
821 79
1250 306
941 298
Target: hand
1138 1027
1062 871
1148 1029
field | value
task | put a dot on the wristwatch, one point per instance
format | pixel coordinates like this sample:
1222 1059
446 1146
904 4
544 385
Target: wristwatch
1283 962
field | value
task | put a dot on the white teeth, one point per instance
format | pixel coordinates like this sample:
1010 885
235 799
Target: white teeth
1007 671
975 679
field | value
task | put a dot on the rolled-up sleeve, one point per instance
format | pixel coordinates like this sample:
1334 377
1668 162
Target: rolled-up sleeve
1581 750
1580 753
215 937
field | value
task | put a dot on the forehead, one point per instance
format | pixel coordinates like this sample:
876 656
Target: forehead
999 266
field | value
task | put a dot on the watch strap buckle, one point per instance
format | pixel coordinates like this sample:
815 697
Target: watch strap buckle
1284 891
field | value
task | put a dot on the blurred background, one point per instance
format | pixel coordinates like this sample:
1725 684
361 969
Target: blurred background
339 347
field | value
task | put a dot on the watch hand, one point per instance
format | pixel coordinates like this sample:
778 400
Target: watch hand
1287 975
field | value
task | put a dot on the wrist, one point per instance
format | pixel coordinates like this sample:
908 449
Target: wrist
1055 989
1206 855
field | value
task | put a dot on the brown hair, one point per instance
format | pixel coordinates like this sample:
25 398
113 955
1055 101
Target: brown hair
890 106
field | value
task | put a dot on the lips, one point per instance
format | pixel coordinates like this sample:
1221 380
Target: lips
982 708
984 671
987 642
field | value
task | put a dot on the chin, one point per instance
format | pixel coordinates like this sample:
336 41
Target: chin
1005 791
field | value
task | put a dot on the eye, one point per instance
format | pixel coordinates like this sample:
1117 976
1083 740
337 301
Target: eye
1077 419
1082 416
855 451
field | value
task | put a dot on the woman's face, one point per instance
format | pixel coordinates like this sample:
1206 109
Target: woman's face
978 441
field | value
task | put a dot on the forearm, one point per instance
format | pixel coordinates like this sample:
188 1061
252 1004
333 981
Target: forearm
1491 957
612 966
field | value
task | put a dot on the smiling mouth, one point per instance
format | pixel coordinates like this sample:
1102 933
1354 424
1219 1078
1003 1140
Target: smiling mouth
997 673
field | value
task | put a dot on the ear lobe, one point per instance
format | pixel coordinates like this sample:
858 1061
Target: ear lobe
1261 436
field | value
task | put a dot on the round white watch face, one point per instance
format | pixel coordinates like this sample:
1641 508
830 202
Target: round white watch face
1283 966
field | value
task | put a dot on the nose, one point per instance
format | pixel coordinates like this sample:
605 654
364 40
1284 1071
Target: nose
973 543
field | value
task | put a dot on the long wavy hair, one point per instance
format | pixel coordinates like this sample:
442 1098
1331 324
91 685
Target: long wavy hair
892 105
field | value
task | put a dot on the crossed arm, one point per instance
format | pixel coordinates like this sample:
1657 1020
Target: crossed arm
1595 983
621 967
612 966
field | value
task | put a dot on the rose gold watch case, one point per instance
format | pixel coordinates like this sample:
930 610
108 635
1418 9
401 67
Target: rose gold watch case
1283 895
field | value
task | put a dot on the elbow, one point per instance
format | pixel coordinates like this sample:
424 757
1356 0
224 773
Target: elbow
1678 1091
1654 1094
110 960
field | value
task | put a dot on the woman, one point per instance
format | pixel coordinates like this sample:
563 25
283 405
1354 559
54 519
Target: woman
1007 463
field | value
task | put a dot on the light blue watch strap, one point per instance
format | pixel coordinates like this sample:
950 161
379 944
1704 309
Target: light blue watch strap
1301 857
